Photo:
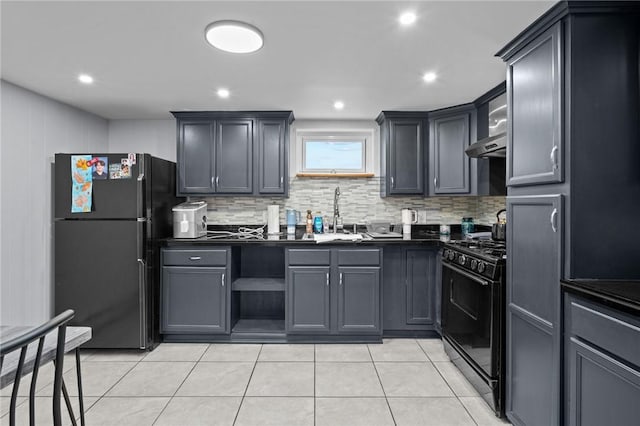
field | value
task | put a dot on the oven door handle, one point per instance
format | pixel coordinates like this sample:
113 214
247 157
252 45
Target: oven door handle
466 274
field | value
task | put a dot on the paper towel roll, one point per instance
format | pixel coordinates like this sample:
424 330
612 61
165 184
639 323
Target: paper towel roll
273 219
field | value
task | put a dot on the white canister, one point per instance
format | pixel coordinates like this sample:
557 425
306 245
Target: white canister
445 230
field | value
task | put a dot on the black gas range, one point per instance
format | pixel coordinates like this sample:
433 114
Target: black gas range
473 314
483 257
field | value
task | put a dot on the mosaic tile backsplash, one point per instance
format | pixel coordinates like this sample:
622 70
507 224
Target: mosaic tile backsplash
359 201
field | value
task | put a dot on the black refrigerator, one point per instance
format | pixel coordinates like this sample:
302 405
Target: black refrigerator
106 258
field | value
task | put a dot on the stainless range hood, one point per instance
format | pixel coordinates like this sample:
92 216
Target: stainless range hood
493 146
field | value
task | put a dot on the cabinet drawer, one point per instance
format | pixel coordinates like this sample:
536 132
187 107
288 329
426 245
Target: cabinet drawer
355 257
611 330
309 257
185 257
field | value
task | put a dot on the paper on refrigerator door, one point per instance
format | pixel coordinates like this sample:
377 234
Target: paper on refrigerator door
81 184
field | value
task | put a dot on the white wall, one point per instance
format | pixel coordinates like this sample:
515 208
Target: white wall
34 128
155 137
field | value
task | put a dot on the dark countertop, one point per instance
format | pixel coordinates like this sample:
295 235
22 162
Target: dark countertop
420 234
624 294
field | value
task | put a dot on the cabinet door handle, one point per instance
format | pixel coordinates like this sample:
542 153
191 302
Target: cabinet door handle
213 182
435 182
281 180
217 179
554 157
223 280
554 215
327 278
195 258
393 184
340 278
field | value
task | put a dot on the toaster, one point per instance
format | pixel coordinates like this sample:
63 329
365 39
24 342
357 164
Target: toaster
190 219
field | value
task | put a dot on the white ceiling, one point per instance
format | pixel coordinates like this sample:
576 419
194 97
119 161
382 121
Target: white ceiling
150 57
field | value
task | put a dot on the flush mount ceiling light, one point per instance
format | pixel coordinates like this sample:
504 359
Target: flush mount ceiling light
338 105
429 77
234 36
223 93
85 79
407 18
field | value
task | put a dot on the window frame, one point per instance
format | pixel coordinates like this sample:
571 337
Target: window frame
367 135
335 138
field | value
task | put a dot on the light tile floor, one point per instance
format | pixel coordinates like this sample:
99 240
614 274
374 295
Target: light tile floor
401 382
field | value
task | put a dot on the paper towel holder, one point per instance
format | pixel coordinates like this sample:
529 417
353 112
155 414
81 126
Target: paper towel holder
273 219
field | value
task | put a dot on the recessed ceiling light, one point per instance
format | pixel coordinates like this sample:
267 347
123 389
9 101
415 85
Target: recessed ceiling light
85 79
429 77
338 104
223 93
234 36
407 18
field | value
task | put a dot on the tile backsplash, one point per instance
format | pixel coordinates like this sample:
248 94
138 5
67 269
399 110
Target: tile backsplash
359 201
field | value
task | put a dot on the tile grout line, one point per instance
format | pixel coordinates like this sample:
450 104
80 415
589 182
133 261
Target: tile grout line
255 364
447 382
181 383
381 385
112 386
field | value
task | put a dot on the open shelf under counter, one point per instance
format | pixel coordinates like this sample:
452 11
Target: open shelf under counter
259 330
258 284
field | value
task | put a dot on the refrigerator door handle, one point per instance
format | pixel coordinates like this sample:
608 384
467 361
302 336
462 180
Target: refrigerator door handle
142 283
140 183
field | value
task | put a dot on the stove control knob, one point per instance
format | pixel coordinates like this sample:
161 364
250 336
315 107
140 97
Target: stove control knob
481 267
452 255
462 259
474 263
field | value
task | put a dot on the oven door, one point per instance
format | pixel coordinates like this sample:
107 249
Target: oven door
470 317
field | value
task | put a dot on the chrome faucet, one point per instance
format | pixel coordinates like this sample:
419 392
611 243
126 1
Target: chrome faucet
336 209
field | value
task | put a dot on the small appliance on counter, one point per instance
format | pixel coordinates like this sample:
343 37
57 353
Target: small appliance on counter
190 219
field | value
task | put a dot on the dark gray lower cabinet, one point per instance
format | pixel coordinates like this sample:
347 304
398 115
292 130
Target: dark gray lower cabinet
534 268
333 291
358 299
602 365
195 291
194 300
308 299
409 288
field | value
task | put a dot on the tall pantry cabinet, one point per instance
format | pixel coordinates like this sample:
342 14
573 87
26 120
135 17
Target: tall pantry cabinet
572 156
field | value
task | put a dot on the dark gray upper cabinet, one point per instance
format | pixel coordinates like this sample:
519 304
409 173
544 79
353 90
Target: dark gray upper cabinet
602 364
534 244
233 153
196 157
234 156
272 156
402 152
535 130
449 136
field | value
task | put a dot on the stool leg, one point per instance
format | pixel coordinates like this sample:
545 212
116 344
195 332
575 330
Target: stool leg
80 387
67 402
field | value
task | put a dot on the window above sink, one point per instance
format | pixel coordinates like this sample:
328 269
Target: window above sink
339 153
